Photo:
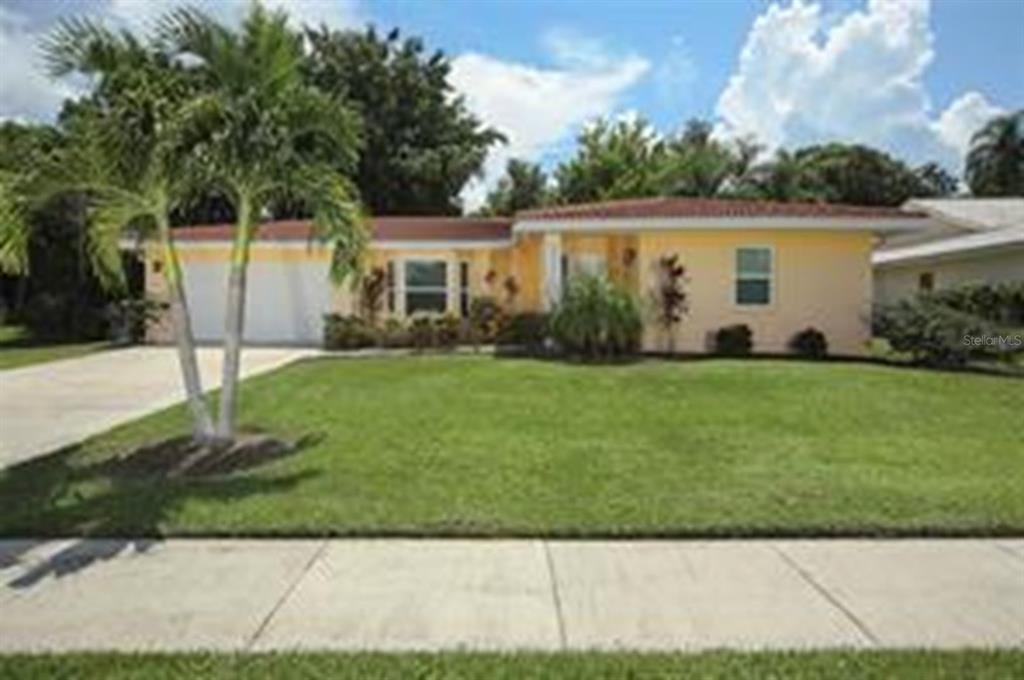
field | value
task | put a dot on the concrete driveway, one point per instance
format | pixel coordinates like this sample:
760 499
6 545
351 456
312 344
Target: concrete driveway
48 406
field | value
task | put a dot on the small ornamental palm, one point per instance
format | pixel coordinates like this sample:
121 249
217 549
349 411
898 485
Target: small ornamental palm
266 136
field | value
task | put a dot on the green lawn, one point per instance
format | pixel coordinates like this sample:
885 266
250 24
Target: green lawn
463 666
17 348
449 445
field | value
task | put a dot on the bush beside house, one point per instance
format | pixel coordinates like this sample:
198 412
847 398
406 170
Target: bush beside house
954 326
597 320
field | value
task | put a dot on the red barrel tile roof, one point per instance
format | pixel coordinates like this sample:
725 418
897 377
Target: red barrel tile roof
707 207
492 229
384 229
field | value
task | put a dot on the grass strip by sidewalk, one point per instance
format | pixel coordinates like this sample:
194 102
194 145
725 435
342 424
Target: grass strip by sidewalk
931 665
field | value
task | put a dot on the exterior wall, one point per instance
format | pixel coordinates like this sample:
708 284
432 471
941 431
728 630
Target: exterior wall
289 290
819 278
896 281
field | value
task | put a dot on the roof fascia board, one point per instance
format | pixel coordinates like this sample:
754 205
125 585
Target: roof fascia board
527 226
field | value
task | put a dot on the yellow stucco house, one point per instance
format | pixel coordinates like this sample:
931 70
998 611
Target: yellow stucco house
777 267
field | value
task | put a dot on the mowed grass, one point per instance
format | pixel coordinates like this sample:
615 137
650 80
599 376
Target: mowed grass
18 348
448 445
565 666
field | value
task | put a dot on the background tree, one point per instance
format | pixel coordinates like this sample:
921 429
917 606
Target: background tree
613 160
523 186
859 175
697 164
995 162
783 178
934 180
421 144
48 285
266 136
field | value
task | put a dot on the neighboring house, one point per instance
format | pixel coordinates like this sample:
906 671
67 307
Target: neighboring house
777 267
971 240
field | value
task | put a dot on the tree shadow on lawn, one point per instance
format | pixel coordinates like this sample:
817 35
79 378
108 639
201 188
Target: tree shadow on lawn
122 502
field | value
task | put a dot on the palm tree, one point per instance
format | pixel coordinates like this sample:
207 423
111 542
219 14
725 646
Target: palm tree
125 157
786 177
995 162
266 136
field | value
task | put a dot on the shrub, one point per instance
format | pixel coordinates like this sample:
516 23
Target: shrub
527 331
934 333
421 331
485 319
447 331
597 319
671 298
347 332
809 343
734 341
393 333
128 319
64 316
1000 303
371 294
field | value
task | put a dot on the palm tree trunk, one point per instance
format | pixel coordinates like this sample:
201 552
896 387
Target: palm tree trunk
234 323
181 327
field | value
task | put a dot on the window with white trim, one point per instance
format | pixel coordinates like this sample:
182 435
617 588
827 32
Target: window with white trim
426 286
753 276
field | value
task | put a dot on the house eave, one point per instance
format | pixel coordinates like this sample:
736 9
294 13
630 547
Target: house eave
633 224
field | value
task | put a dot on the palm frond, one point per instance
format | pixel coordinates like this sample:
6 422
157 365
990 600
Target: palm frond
338 220
14 228
112 213
83 45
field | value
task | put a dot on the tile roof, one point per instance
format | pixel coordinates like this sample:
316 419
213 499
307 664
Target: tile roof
707 207
396 228
384 229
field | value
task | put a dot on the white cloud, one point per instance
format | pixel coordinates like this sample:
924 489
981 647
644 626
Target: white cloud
143 14
963 118
540 108
805 77
26 93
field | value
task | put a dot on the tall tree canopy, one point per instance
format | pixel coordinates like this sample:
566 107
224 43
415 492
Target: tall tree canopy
860 175
613 160
995 163
421 143
523 186
697 164
784 177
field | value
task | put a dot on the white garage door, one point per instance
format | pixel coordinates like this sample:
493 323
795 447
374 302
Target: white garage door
285 302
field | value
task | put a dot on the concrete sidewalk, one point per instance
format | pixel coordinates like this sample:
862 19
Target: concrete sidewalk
47 406
503 595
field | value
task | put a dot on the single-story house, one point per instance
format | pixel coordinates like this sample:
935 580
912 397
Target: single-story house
970 240
777 267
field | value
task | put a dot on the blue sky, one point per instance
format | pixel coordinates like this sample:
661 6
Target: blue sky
912 76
